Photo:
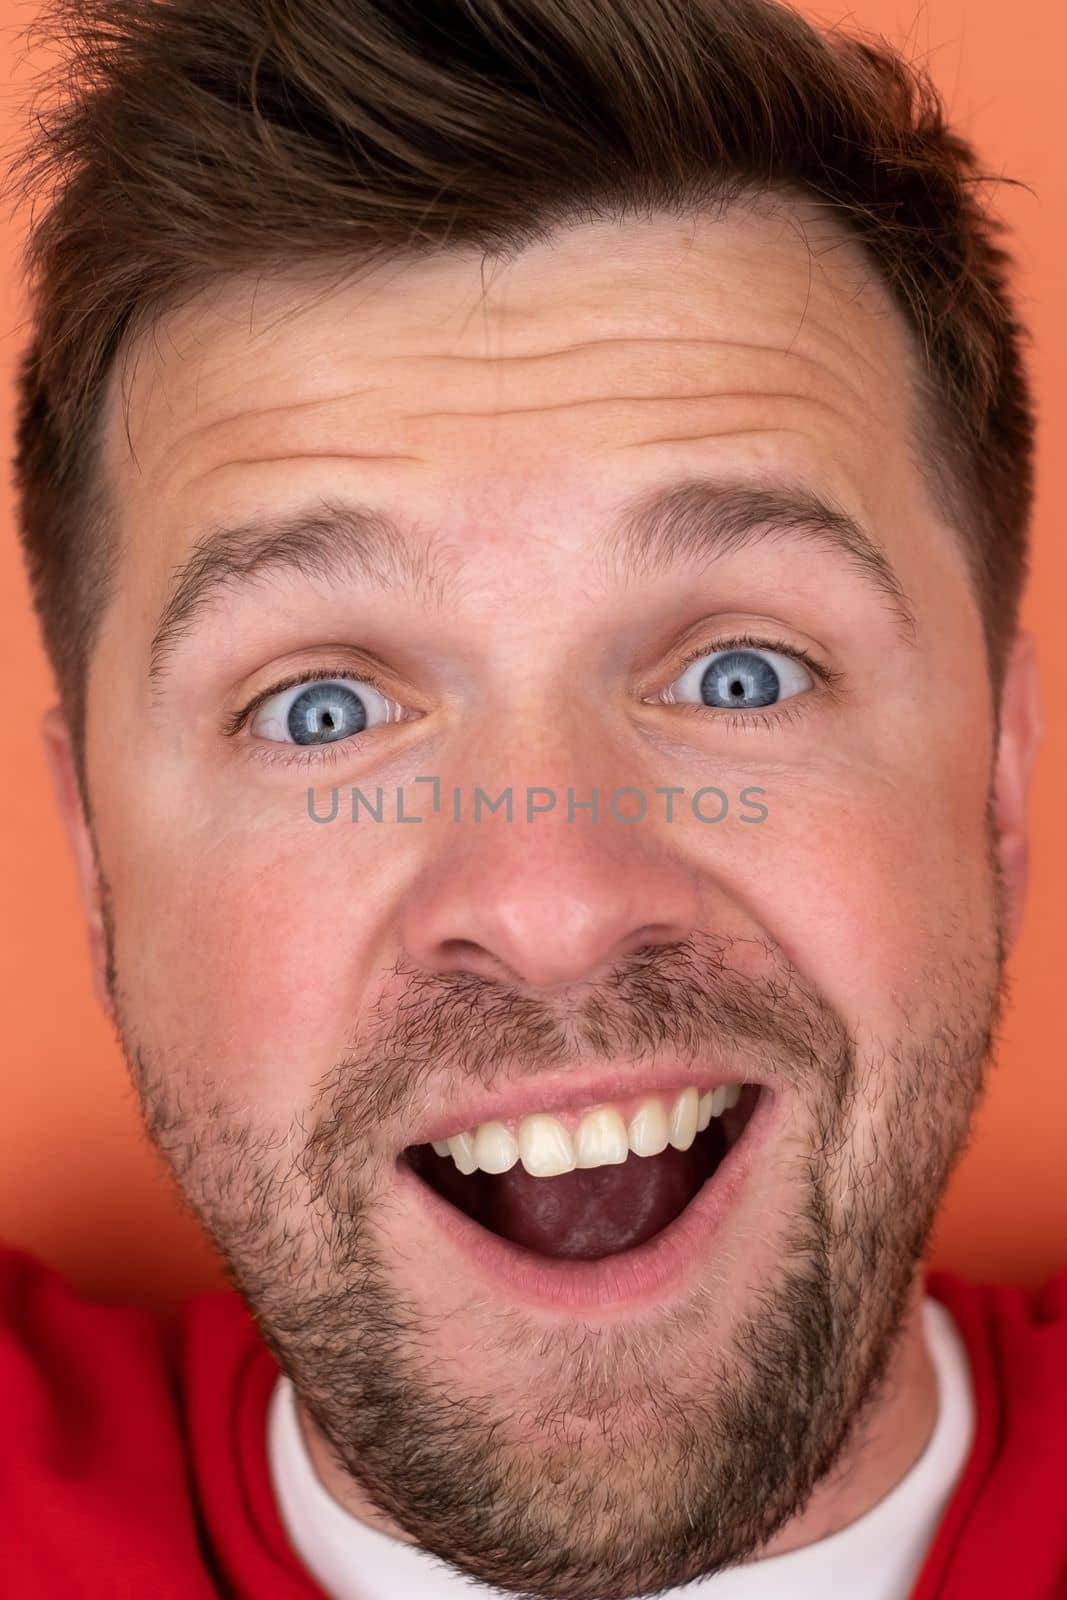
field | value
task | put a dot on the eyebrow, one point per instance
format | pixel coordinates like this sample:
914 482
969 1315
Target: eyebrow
697 520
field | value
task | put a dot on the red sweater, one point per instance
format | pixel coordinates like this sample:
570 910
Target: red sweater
133 1454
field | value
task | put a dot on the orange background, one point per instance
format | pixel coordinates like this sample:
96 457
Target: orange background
79 1184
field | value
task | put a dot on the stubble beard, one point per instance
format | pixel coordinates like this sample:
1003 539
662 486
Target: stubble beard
637 1479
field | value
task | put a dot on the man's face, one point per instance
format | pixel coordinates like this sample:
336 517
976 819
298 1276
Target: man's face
302 1002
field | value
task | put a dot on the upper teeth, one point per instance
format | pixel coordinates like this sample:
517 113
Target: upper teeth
603 1137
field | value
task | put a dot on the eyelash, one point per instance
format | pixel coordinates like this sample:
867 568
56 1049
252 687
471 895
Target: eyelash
314 755
779 714
324 754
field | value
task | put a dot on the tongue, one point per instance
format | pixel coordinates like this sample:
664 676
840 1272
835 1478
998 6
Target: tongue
594 1212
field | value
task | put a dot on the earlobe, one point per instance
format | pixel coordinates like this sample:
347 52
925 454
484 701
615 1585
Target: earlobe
1020 739
59 756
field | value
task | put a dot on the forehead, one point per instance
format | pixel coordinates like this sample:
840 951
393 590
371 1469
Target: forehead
762 331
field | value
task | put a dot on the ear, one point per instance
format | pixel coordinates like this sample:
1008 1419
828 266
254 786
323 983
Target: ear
1020 737
59 756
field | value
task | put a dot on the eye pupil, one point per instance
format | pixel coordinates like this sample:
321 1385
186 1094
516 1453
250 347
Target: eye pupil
739 677
324 712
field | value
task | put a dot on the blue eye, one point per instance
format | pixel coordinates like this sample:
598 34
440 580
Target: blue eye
741 679
320 712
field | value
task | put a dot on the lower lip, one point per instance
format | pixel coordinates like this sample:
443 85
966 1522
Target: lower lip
627 1281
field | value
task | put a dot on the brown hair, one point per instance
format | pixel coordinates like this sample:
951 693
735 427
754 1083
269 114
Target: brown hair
191 138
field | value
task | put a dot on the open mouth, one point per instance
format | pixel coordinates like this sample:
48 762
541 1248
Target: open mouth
619 1200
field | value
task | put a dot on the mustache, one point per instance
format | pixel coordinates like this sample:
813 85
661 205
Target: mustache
687 998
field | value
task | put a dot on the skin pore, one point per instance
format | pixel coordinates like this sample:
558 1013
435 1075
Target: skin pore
294 998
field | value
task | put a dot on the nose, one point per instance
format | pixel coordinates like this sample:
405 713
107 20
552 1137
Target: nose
548 902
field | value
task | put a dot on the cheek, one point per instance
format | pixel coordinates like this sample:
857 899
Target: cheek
247 955
882 891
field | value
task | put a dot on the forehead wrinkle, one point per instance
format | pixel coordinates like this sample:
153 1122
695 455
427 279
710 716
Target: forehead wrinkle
511 362
257 413
732 396
616 341
713 433
632 399
809 331
330 456
520 359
